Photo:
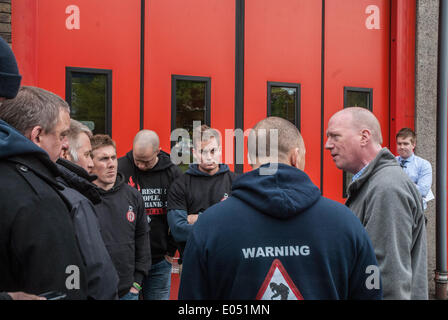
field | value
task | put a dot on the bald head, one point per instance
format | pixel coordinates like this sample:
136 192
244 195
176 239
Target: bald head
362 118
274 140
145 149
353 138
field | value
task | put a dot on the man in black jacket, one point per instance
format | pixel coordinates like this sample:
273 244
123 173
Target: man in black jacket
101 274
122 219
38 247
150 171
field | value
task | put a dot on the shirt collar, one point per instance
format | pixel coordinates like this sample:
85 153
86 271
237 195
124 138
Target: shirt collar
359 173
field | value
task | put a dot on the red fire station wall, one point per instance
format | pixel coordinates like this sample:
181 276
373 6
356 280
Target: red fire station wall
108 37
356 55
283 44
189 38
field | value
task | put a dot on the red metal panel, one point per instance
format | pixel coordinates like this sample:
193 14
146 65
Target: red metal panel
194 38
402 86
355 56
283 44
108 38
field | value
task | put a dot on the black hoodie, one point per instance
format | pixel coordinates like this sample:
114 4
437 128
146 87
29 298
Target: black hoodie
125 232
154 184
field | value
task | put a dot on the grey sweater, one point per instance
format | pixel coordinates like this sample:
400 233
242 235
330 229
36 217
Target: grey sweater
388 205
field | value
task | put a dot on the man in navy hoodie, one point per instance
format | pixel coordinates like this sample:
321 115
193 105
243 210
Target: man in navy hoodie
276 237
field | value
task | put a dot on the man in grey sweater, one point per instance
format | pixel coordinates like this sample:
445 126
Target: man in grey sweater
384 199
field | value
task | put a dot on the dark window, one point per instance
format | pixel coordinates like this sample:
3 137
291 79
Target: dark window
190 101
284 101
89 94
355 97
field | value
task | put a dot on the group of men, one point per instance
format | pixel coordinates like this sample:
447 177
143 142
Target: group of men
77 221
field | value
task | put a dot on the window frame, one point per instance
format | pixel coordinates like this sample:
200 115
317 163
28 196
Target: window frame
207 80
298 95
370 108
68 90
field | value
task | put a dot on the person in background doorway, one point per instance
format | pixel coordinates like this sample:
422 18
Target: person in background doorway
417 168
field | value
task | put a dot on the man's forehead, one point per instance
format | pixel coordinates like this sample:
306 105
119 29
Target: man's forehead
106 151
404 139
209 144
143 152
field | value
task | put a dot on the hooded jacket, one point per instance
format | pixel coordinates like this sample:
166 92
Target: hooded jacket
276 237
193 193
154 184
389 206
102 277
124 229
37 238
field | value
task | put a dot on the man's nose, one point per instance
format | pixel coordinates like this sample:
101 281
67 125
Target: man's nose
328 145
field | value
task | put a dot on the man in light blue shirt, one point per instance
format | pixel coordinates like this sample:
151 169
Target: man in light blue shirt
418 169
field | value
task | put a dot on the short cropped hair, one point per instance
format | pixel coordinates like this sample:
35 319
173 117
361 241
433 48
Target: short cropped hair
33 107
102 140
406 133
205 133
288 137
76 128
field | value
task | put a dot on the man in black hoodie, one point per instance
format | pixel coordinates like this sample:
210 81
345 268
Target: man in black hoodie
204 184
150 171
122 219
38 247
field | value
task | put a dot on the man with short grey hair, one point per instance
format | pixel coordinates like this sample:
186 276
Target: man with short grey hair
38 247
385 200
74 166
79 149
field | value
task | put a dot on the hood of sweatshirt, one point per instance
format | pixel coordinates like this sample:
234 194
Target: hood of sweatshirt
383 159
119 182
282 195
13 143
193 169
163 163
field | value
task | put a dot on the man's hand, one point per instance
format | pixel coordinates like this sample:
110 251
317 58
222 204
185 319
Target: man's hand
192 218
24 296
134 291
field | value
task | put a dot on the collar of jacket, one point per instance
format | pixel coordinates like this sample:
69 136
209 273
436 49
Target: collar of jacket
383 159
41 165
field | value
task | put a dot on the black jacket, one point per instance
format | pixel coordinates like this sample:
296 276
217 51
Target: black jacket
154 185
101 274
37 239
125 232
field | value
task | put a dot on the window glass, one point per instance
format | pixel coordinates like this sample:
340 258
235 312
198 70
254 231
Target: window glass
191 103
355 97
89 100
283 103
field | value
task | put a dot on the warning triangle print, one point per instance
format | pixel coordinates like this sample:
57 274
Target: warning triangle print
278 285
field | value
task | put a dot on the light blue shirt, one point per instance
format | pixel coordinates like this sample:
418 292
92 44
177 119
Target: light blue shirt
359 173
420 172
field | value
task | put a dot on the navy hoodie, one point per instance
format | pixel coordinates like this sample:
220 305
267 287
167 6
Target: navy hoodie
276 237
37 237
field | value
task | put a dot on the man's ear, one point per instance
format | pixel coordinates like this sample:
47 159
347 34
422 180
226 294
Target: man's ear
35 135
366 136
297 159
